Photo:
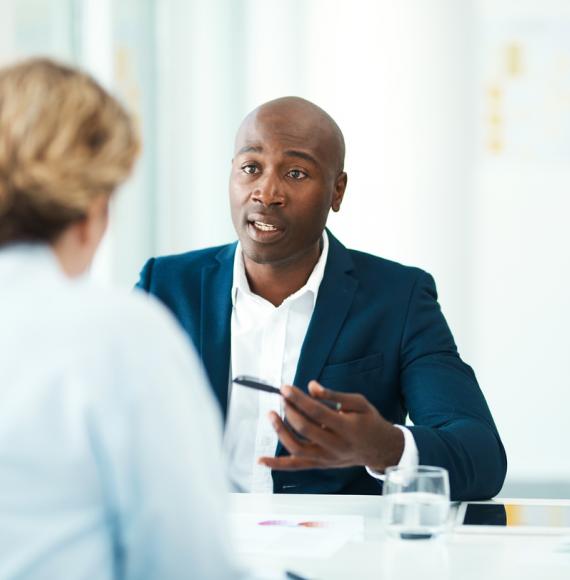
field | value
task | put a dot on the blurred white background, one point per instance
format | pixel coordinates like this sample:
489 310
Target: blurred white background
456 115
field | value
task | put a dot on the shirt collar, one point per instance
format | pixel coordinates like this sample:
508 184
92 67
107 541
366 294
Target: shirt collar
241 284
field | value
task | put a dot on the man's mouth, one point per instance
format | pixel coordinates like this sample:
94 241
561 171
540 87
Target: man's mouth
264 227
264 230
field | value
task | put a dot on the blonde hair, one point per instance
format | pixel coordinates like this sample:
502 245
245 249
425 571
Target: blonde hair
63 141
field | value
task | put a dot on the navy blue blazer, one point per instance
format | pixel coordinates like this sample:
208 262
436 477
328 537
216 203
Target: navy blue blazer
377 329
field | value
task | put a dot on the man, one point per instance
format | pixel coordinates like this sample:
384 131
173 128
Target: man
291 305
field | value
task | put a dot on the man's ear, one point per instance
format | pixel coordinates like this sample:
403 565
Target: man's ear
339 189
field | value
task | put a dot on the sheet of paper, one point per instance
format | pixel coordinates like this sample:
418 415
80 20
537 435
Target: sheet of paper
307 536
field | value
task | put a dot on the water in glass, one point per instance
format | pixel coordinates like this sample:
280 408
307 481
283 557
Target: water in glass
416 502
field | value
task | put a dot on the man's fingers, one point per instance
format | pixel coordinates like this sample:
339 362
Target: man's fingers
308 406
350 403
317 434
287 437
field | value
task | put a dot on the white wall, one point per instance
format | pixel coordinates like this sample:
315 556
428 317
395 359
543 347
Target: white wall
200 87
117 44
29 27
521 265
7 31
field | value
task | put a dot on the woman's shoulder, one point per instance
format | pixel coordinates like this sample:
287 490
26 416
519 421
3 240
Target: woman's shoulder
131 314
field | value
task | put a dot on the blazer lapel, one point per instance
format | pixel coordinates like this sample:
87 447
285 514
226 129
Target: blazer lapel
334 299
215 322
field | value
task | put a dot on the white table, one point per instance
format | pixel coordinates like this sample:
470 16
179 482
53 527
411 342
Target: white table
455 556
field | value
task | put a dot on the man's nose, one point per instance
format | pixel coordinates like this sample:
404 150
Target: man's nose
269 192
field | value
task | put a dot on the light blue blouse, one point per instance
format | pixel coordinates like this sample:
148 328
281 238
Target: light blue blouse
109 437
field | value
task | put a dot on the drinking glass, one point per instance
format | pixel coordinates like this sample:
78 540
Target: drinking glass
416 501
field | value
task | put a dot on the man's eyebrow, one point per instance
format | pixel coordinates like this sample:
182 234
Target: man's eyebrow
301 154
250 149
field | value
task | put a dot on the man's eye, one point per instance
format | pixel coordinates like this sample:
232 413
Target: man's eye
297 174
250 169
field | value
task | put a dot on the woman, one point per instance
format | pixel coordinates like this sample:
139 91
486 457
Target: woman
108 436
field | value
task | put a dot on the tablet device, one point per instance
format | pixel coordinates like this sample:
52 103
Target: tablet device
514 516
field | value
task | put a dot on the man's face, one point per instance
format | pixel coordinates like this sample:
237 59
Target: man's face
284 180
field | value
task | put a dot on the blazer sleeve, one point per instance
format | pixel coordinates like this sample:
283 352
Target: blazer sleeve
453 427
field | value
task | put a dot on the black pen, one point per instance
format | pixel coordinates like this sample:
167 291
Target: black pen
254 383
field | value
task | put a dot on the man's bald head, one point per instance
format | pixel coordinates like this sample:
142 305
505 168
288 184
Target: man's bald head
287 174
301 117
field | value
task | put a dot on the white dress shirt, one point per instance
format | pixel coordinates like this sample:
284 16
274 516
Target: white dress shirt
266 342
109 437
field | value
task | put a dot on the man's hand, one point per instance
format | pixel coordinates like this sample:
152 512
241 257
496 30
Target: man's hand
355 435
